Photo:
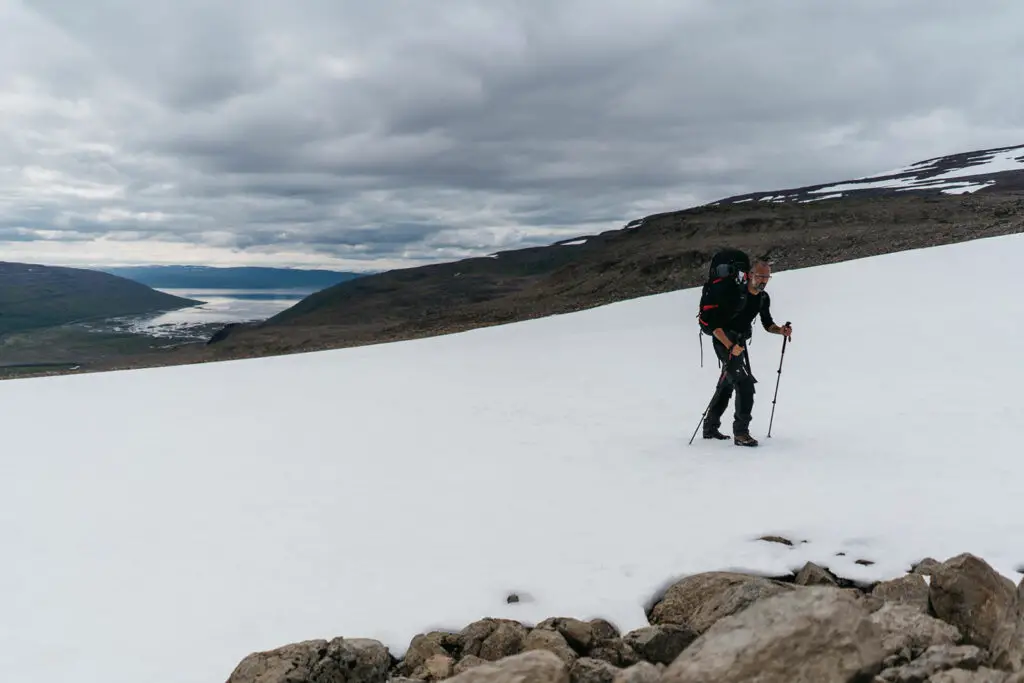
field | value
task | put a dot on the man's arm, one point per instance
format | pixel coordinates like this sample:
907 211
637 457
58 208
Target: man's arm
766 318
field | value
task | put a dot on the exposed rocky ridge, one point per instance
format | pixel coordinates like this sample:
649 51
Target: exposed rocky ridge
957 621
660 253
998 169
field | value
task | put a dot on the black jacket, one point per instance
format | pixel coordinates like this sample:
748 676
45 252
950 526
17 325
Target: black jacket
733 308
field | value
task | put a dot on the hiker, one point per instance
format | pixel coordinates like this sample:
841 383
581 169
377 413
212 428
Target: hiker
729 305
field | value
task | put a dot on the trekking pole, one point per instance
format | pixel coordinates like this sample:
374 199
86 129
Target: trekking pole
777 379
714 397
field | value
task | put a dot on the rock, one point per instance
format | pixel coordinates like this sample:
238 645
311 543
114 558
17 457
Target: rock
906 627
616 652
660 644
700 600
353 660
925 567
422 647
579 634
1008 641
346 660
968 593
813 575
468 662
934 660
776 539
911 589
983 675
603 630
436 668
590 670
642 672
812 635
285 664
491 639
552 641
536 666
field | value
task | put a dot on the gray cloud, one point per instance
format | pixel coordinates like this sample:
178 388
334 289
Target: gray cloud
368 135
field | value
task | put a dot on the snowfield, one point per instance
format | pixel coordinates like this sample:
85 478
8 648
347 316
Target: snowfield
159 525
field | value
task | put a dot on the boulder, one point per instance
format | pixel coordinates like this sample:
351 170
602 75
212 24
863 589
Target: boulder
347 660
968 593
911 589
492 639
660 644
906 627
578 634
814 575
812 635
535 666
552 641
590 670
1008 641
643 672
936 659
698 601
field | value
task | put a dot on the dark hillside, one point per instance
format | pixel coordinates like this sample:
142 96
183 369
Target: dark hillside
658 254
34 296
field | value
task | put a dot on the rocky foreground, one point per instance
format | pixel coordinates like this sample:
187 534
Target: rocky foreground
958 621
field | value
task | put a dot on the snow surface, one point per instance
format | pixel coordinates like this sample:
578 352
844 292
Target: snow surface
159 525
992 161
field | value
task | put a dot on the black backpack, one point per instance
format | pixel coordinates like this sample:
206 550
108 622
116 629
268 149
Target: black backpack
723 286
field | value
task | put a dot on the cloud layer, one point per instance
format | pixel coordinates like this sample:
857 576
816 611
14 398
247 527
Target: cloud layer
371 135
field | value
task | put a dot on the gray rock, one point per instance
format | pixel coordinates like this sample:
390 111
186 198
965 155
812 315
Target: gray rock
934 660
813 575
552 641
536 666
590 670
967 592
1008 641
906 627
812 635
341 660
911 590
578 634
660 644
982 675
643 672
700 600
492 639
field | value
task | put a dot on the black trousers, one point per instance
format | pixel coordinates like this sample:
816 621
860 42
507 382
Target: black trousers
738 379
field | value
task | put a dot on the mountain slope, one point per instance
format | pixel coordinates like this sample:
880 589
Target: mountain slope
991 170
657 253
34 296
552 455
245 277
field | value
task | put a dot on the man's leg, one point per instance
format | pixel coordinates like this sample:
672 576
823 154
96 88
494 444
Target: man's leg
713 420
743 409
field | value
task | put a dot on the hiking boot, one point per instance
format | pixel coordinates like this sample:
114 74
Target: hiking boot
713 433
744 440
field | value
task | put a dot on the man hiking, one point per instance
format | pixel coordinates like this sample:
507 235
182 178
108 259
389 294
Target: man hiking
728 308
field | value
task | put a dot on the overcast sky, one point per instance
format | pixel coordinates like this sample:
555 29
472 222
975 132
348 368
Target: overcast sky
368 135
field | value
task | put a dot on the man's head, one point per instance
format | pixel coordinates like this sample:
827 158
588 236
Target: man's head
757 278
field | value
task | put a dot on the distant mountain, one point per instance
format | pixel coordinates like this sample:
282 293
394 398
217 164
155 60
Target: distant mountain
34 296
244 277
999 169
937 201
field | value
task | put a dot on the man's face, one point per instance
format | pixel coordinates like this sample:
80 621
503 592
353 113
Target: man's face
759 278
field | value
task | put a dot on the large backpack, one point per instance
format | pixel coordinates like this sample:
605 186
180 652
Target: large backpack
723 287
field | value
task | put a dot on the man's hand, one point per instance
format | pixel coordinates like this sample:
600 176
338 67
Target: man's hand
786 330
736 350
